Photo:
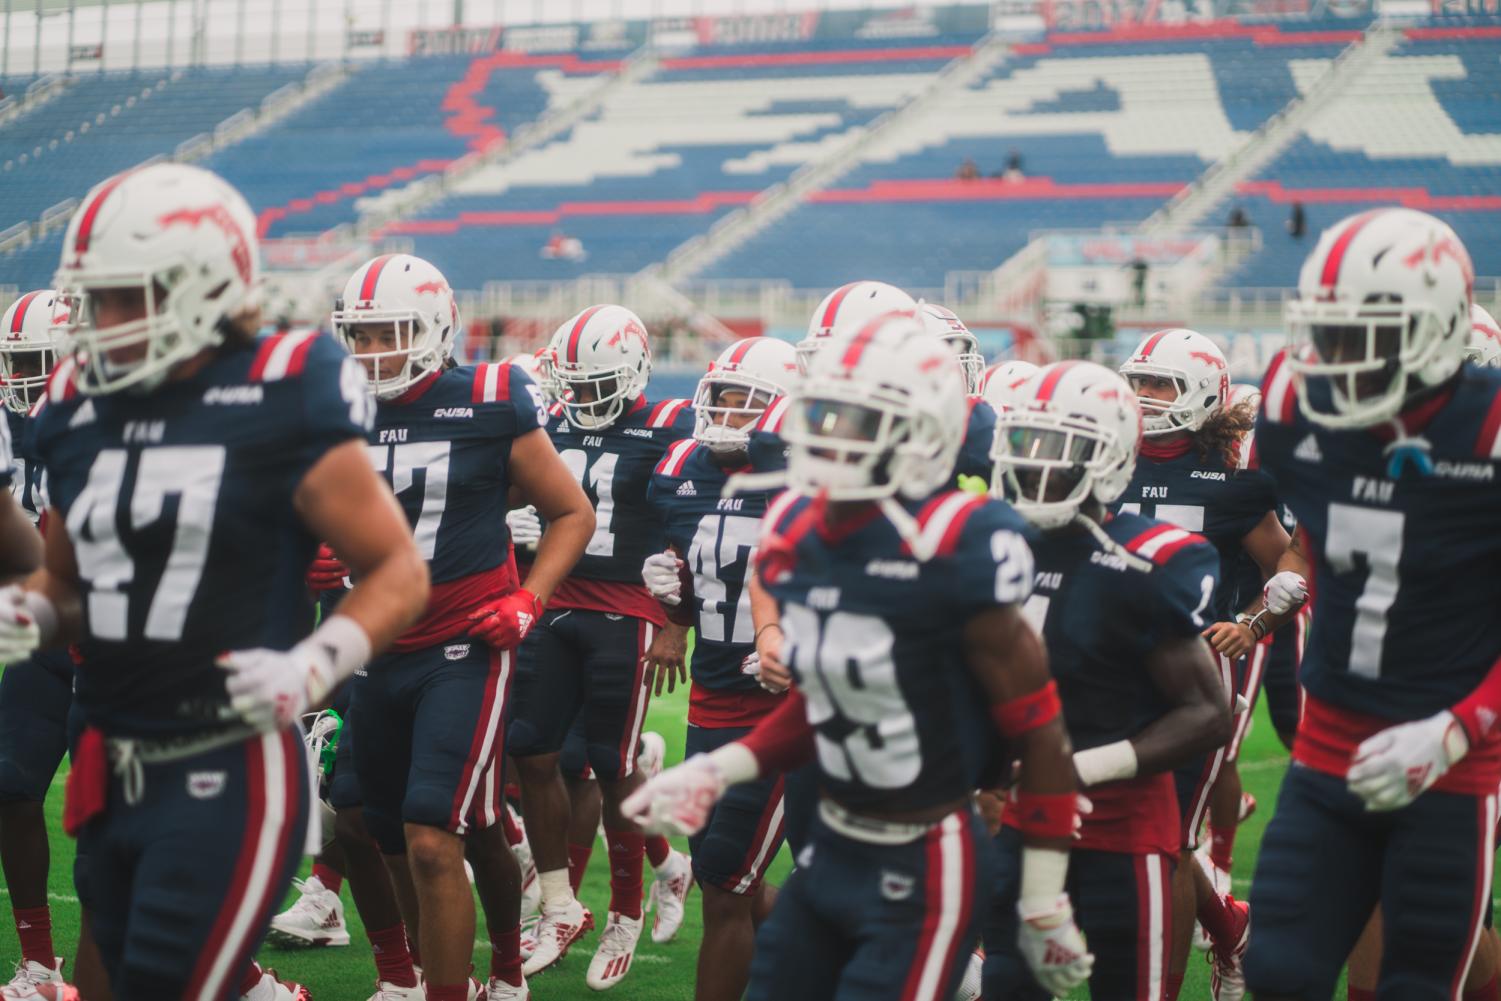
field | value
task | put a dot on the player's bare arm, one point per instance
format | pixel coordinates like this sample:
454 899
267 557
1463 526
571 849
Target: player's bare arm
546 484
1265 544
20 548
1199 719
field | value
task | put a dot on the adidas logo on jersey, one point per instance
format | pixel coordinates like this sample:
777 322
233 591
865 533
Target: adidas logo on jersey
231 395
687 489
454 412
1308 450
83 416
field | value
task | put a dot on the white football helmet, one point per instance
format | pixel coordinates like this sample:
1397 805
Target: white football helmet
944 324
1194 363
1243 392
878 414
999 383
1071 436
1484 348
763 369
412 297
30 339
847 309
1382 312
186 240
603 354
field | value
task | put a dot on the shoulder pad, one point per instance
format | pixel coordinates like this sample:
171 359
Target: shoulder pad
1161 543
942 520
282 356
676 457
1279 400
492 382
62 385
664 414
771 418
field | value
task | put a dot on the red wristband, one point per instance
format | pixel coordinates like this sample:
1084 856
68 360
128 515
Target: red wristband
1028 712
1480 711
1047 815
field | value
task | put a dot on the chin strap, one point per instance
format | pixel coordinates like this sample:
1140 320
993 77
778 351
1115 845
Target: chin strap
1404 449
1110 545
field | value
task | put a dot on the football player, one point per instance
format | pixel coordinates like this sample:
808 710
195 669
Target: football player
999 383
1190 475
900 604
1121 605
190 465
586 658
35 697
1484 345
428 718
1384 446
712 541
973 467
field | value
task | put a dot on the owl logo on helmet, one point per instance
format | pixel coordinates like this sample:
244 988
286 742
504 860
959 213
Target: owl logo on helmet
945 325
31 333
879 414
157 264
600 361
999 383
845 310
1484 347
1070 438
746 379
399 318
1382 313
1180 378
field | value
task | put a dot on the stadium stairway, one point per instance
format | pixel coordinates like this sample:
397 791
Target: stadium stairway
698 253
1195 202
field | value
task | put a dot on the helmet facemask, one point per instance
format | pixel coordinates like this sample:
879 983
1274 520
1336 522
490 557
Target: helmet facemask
855 446
1047 466
594 400
967 347
405 347
1362 357
24 370
1160 417
725 405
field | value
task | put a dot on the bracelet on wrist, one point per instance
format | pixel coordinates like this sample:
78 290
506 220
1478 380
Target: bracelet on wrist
770 625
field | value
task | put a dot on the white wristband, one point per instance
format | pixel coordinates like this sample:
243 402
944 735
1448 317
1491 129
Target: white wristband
1106 763
44 614
1044 871
736 763
347 647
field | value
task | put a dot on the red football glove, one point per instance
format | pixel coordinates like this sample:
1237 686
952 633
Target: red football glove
326 572
504 623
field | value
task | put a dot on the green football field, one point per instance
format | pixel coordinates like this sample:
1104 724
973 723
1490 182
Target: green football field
661 972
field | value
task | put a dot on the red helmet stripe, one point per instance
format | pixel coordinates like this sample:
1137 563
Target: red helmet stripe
861 340
1330 275
372 275
1050 382
91 212
578 331
1146 349
741 350
835 301
19 318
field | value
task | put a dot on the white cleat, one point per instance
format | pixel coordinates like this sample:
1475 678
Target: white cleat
529 936
315 919
386 991
498 990
669 891
29 976
653 753
617 947
969 987
273 988
558 929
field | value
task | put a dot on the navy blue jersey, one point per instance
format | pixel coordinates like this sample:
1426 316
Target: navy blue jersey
23 465
1102 617
179 507
614 466
1217 500
875 641
717 537
7 456
445 454
1406 569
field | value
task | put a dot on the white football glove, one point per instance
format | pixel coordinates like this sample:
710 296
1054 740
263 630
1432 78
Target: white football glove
1395 766
269 689
525 526
660 574
679 800
1284 592
1052 946
19 633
